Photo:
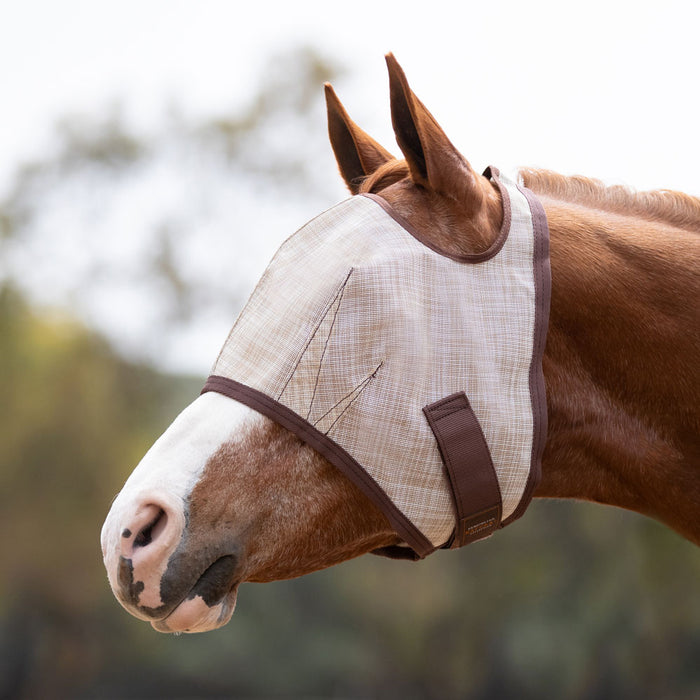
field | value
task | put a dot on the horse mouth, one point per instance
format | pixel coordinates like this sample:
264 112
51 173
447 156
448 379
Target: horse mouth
216 581
210 602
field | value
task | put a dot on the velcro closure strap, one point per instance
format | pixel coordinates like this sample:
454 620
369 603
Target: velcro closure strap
469 466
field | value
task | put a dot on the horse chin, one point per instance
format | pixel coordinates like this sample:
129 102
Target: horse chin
194 615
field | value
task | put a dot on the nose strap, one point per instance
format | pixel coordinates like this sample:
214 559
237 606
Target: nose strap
467 459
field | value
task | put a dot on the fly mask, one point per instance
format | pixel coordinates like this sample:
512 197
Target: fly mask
419 375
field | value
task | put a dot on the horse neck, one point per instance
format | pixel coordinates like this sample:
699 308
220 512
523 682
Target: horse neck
622 381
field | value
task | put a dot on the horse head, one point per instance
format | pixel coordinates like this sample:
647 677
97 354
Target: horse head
383 389
227 495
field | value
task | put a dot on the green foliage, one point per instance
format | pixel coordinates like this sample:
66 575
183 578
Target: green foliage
74 420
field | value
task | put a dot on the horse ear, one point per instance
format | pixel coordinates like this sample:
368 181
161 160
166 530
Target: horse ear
434 163
357 153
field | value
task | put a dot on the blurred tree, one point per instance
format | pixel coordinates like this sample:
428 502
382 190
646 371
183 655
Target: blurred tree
73 421
177 221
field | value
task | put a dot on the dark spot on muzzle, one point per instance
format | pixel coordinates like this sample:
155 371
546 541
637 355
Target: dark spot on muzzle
126 533
176 585
216 581
130 589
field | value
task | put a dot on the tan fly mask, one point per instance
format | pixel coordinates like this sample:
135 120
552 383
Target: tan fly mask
417 374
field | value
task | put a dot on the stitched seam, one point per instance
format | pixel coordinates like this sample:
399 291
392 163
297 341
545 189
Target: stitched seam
449 406
359 389
313 335
325 346
445 411
359 393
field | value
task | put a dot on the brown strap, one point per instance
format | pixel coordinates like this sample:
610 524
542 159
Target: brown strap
469 467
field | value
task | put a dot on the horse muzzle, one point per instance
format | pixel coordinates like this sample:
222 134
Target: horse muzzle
158 576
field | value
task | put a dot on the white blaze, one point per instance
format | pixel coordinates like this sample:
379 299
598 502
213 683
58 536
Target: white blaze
166 475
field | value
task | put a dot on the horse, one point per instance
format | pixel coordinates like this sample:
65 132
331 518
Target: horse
227 495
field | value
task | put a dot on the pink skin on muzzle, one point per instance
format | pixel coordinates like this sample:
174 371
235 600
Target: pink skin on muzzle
144 537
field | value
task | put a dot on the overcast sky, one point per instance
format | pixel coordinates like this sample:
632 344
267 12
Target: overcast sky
606 89
601 88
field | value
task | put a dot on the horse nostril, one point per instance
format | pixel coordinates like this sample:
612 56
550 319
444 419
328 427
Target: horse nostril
148 533
151 530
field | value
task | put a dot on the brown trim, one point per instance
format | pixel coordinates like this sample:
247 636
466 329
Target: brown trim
543 285
325 446
538 396
469 466
475 258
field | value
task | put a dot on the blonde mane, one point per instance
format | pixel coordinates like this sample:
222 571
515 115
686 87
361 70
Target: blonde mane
675 208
